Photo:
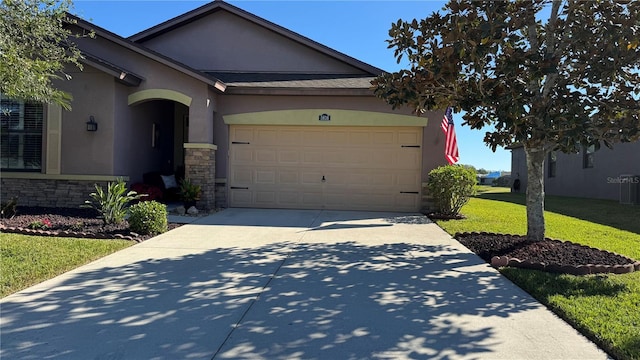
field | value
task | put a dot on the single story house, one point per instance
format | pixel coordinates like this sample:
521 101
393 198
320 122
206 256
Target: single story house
256 114
604 174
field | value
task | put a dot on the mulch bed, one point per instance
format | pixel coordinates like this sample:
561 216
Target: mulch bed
69 222
547 255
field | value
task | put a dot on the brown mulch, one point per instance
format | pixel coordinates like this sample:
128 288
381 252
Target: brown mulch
549 255
84 222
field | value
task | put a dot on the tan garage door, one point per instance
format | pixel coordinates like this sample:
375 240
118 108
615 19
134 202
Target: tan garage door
321 167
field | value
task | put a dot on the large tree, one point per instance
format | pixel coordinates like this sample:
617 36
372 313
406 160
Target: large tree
35 47
549 75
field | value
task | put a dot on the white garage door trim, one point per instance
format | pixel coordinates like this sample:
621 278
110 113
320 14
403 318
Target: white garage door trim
324 117
315 167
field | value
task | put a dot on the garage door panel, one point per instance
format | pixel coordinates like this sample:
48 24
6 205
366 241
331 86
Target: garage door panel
265 137
408 160
241 198
409 138
358 157
266 156
337 137
409 180
359 138
266 176
242 155
313 200
263 198
289 137
243 134
364 168
314 138
241 175
288 157
312 157
384 138
311 177
288 177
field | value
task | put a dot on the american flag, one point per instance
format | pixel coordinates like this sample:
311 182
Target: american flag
451 143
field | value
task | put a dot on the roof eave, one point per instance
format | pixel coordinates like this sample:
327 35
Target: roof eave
293 91
122 75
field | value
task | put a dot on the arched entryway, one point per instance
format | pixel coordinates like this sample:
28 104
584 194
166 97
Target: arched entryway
157 134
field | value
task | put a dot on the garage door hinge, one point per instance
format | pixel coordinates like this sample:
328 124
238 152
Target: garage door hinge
240 142
410 146
239 188
409 192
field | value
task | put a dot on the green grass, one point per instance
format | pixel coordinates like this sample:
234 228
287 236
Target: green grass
27 260
604 307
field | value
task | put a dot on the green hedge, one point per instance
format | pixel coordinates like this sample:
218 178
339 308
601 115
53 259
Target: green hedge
148 217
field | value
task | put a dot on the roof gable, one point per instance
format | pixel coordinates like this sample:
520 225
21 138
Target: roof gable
221 37
112 68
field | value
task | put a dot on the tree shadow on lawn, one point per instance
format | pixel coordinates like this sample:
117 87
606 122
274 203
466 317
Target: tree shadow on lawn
604 212
313 301
540 283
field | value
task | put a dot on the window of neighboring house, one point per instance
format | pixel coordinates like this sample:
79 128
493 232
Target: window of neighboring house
587 156
21 135
553 157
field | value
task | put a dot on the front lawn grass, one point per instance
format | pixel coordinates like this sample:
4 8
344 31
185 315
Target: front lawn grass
603 307
27 260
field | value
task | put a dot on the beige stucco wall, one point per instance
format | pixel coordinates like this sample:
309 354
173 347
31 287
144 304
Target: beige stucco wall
135 154
433 139
159 76
227 42
84 152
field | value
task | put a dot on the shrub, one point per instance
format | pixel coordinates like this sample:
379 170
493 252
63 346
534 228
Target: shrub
148 217
189 191
450 187
503 181
112 204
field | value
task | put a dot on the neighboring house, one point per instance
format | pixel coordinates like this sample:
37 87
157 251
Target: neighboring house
488 179
255 113
603 174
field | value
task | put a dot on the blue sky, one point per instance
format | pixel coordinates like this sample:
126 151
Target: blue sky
356 28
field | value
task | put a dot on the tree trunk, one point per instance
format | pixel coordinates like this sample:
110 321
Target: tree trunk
535 193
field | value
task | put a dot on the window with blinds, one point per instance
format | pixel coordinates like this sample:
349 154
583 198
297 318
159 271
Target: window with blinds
21 135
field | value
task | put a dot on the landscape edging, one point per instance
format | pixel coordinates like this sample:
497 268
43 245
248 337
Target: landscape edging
501 261
66 233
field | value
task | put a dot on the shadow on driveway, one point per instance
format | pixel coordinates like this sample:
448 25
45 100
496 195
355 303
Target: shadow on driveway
320 301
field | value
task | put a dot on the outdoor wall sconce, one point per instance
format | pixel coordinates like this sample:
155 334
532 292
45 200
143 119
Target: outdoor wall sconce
92 125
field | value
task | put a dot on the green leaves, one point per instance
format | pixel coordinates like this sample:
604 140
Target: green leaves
35 47
112 204
450 187
555 81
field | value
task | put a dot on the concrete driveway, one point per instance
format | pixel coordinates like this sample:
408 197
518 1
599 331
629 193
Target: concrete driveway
283 284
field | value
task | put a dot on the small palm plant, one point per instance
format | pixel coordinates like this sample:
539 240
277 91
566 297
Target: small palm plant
112 204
